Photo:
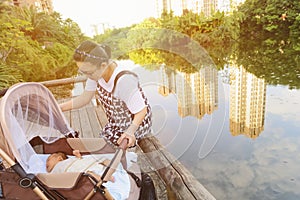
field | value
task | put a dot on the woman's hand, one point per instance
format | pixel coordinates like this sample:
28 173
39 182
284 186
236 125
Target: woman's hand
131 140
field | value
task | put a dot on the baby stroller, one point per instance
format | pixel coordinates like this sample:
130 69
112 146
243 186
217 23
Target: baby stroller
32 126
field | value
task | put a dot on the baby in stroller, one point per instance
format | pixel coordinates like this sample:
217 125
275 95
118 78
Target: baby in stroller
91 165
118 185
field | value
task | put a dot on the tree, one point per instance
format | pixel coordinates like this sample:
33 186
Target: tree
9 76
269 45
36 46
264 19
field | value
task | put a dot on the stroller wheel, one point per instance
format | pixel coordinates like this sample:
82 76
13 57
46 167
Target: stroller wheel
25 182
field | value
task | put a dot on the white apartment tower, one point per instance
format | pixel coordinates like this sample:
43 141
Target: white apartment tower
41 5
208 7
197 93
247 103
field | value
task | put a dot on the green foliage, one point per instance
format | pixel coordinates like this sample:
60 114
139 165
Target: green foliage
277 64
269 18
9 76
269 46
113 38
36 46
262 35
186 40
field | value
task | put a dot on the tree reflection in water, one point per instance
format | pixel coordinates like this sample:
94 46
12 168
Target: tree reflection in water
262 84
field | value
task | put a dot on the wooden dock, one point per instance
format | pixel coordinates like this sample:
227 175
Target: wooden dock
172 180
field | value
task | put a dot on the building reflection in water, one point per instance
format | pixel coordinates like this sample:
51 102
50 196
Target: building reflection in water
247 102
197 93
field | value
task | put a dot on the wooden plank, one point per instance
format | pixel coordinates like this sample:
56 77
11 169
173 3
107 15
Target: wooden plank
85 120
68 116
95 126
56 82
64 81
85 125
181 184
75 121
146 166
101 116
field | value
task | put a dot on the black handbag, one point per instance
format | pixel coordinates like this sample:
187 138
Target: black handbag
147 189
146 184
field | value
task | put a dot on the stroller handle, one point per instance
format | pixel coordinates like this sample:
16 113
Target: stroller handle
7 158
123 144
110 170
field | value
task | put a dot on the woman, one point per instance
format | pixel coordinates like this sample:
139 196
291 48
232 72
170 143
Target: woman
124 102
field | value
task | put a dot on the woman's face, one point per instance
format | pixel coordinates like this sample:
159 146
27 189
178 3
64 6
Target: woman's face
90 70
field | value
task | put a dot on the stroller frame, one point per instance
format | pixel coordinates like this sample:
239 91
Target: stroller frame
18 184
38 184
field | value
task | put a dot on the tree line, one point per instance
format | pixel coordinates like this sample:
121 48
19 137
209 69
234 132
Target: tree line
263 36
36 46
269 42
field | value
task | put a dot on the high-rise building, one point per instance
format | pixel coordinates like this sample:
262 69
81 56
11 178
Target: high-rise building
175 6
229 5
197 93
178 6
208 7
247 102
41 5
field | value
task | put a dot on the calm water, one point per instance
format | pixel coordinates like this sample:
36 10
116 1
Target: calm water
236 134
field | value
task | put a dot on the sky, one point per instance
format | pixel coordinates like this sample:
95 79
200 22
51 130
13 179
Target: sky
109 13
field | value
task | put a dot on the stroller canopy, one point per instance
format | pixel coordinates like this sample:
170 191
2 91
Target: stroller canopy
28 110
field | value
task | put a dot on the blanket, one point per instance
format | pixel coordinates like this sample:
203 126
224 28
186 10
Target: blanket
119 189
84 164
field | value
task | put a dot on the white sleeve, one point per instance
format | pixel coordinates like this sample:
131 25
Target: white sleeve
90 85
127 90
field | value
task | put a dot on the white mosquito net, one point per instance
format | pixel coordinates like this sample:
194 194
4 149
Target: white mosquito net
28 110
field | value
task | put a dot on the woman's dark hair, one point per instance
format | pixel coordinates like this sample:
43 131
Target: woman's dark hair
89 51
